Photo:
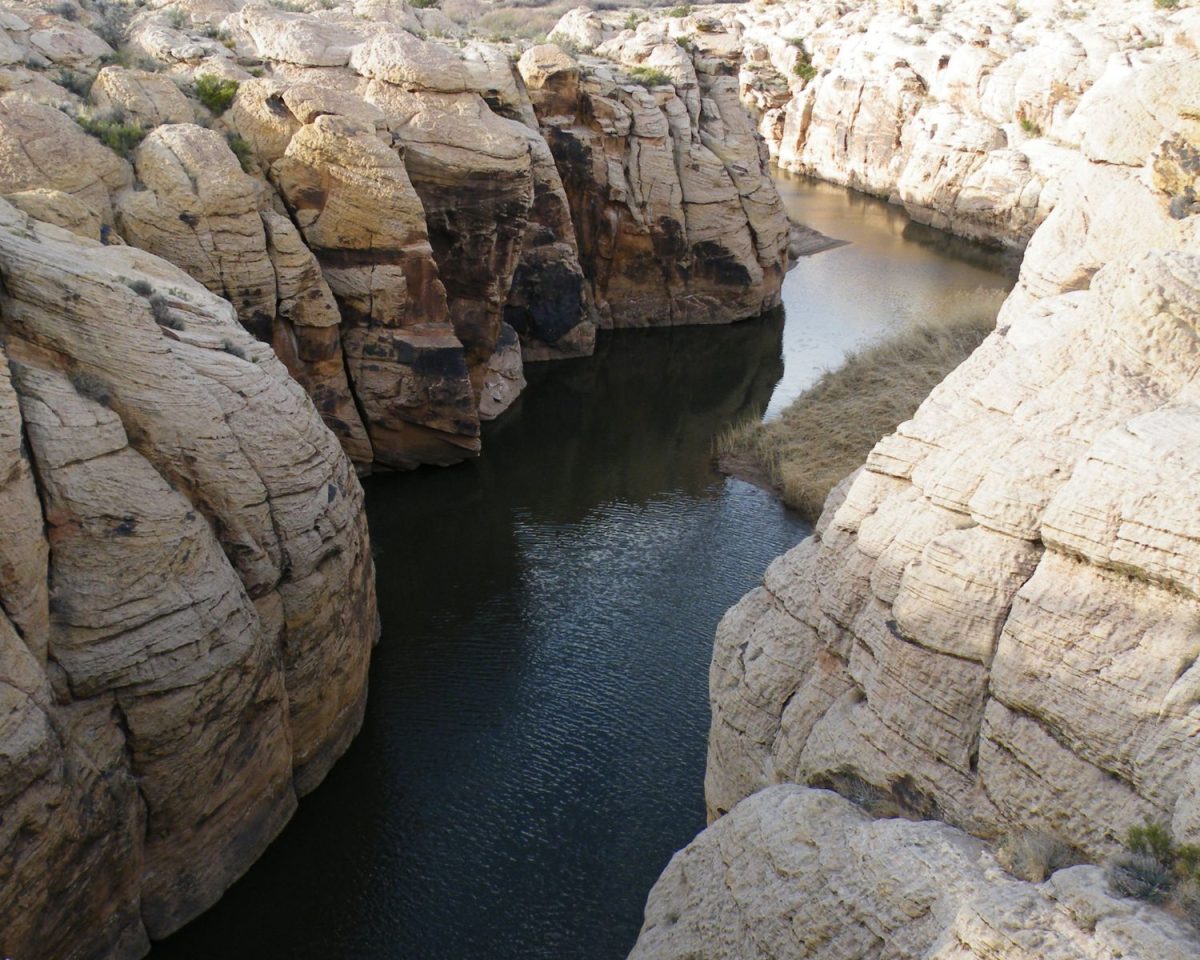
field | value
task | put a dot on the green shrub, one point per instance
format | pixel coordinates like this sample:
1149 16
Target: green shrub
141 287
1030 127
649 77
112 129
423 4
78 83
1156 868
177 18
289 6
682 11
632 21
1167 4
215 93
233 349
241 150
1141 876
804 69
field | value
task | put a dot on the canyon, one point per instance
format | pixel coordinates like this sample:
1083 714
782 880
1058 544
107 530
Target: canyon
247 253
994 622
328 241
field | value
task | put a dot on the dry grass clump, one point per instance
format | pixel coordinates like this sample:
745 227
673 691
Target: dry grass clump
1033 855
829 430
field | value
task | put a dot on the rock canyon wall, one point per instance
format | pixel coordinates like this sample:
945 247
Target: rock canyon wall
405 221
245 250
995 623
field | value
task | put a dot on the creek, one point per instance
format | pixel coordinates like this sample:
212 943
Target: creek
533 750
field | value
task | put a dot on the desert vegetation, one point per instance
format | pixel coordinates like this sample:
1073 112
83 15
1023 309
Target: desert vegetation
1155 868
829 430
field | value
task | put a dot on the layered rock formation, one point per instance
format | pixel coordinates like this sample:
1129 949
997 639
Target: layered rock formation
186 595
401 222
970 115
795 872
995 621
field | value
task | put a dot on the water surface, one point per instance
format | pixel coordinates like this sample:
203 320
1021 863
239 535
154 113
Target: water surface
533 751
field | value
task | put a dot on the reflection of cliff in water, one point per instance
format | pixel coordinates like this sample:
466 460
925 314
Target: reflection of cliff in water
997 259
636 419
534 744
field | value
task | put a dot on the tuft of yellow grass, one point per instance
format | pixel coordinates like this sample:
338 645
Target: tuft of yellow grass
828 431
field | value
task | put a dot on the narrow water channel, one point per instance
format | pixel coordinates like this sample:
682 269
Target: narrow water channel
533 750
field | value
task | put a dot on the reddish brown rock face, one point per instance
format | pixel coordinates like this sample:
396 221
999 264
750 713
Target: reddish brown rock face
676 218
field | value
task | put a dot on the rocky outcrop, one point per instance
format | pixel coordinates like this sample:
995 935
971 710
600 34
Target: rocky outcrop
677 219
186 595
795 872
994 622
970 115
423 182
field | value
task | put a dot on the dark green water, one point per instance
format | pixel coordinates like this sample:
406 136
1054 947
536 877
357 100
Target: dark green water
533 751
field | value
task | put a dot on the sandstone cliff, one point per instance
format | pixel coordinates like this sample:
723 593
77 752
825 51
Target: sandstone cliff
403 220
186 595
995 623
971 115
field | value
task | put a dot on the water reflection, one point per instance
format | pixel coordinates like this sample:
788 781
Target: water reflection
891 271
534 745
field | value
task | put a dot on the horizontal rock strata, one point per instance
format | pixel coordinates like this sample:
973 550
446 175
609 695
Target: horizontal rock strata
186 595
425 216
995 622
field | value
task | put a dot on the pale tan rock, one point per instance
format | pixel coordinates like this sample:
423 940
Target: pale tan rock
58 208
298 38
794 872
149 98
41 147
162 438
984 621
197 209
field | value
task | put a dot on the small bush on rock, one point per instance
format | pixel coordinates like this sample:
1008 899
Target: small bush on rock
241 150
215 93
161 311
112 129
91 386
1157 869
78 83
65 10
1033 855
649 77
682 11
1141 876
1167 4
